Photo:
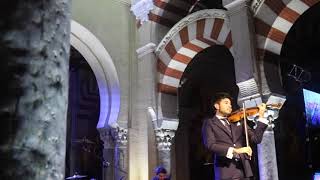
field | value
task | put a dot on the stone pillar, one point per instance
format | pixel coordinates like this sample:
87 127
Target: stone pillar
164 131
164 139
143 95
108 152
244 49
268 169
267 157
120 166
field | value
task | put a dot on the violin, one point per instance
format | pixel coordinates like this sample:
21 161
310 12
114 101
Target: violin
239 114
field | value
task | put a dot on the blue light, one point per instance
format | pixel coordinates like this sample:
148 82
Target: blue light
316 176
312 107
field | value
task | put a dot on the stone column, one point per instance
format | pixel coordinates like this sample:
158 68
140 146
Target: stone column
143 95
108 152
268 169
244 49
120 136
267 157
164 131
164 139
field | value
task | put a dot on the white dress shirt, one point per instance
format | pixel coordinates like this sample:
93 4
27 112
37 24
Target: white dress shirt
229 154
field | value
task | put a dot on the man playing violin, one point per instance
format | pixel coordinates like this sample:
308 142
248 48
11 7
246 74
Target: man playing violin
227 140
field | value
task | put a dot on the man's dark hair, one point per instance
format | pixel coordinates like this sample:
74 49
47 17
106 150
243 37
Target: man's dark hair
219 96
160 169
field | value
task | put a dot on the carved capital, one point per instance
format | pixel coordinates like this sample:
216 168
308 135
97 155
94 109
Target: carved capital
164 138
120 136
106 137
141 9
164 129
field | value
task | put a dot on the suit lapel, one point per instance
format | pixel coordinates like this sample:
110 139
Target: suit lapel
221 126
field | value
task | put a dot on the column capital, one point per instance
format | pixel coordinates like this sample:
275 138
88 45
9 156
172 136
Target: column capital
164 138
106 137
164 129
141 9
120 136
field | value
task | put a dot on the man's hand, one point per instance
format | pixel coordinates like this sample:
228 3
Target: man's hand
243 150
262 110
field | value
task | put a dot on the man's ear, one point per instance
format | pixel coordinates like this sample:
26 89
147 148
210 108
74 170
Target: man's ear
216 105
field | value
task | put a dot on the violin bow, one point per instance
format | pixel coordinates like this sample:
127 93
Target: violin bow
245 125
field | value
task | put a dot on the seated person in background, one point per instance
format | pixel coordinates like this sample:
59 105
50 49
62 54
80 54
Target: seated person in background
161 174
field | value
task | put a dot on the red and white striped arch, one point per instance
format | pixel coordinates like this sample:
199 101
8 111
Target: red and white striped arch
187 38
168 12
273 20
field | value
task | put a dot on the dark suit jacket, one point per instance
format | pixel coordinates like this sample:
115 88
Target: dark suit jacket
218 139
